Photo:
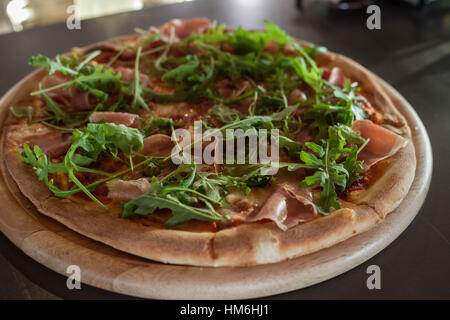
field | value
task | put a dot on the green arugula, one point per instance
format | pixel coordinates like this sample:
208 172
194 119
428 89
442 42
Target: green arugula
86 146
177 197
61 63
97 82
329 172
161 124
138 100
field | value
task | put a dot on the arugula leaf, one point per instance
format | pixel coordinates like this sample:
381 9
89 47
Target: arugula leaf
329 173
212 185
275 33
224 114
183 71
97 82
248 175
149 127
137 87
81 66
158 197
293 147
233 119
312 76
214 34
353 166
62 64
114 137
42 165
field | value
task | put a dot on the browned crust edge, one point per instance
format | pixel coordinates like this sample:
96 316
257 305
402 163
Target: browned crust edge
247 244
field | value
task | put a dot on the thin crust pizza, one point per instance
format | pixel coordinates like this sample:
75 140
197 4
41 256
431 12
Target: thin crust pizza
97 140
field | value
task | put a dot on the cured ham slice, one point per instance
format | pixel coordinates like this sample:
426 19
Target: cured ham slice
52 142
184 28
335 76
128 190
383 143
127 119
127 75
286 208
158 145
181 30
72 98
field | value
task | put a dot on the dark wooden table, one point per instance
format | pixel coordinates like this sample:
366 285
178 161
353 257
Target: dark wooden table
411 52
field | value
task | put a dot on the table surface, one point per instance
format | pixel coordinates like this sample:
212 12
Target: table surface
411 52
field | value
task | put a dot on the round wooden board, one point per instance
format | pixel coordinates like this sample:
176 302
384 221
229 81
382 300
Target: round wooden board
57 247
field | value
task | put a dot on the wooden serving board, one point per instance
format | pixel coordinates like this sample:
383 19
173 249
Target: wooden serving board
57 247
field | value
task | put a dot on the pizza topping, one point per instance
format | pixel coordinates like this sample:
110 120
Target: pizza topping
184 28
334 165
286 208
336 77
158 145
72 98
127 75
86 78
179 196
127 119
128 190
52 142
86 147
187 70
383 143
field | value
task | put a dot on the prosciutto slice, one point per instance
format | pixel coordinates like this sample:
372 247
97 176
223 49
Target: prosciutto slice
127 75
335 76
286 208
73 98
127 119
128 190
184 28
52 142
383 143
158 145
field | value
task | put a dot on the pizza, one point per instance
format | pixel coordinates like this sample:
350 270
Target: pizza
96 139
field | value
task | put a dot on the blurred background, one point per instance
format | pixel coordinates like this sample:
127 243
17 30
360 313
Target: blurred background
17 15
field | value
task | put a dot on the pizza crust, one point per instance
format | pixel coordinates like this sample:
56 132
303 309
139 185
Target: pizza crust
252 244
392 183
246 244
